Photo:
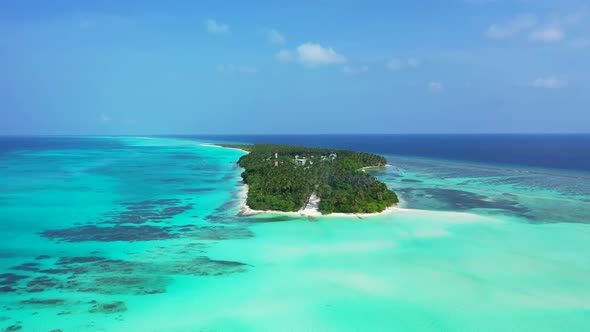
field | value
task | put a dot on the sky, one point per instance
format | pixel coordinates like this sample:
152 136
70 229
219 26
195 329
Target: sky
294 67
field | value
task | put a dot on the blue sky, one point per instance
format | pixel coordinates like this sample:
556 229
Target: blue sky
203 67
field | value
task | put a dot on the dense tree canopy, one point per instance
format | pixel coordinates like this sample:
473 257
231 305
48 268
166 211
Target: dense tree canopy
334 175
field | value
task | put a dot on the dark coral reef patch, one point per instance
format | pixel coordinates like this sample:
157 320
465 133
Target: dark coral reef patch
110 234
9 282
459 200
108 307
30 267
42 283
145 233
12 328
43 302
155 211
94 274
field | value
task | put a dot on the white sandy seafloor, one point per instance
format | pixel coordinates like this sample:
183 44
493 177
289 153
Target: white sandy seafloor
412 271
418 268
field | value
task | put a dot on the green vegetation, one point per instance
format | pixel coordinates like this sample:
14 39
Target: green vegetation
334 175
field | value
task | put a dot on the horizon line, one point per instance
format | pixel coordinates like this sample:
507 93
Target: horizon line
298 134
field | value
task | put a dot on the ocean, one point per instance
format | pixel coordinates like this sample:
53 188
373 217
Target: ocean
553 151
143 234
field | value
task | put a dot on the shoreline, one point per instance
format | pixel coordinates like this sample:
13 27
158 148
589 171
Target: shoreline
364 169
245 210
213 145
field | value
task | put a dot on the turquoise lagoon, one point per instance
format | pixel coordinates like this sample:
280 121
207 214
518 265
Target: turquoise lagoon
143 234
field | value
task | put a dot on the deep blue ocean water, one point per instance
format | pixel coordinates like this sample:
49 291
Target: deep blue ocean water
555 151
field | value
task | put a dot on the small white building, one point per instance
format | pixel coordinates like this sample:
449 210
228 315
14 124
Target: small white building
300 161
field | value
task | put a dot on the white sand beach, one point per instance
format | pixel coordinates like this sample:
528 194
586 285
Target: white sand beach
311 210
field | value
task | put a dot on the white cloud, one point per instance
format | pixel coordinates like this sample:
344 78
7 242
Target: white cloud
237 69
435 86
351 70
216 28
509 29
550 34
550 83
104 117
555 28
396 64
552 28
284 56
313 55
413 62
275 37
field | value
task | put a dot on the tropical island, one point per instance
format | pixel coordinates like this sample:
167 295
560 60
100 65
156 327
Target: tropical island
288 178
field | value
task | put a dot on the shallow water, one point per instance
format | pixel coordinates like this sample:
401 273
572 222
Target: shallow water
142 234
